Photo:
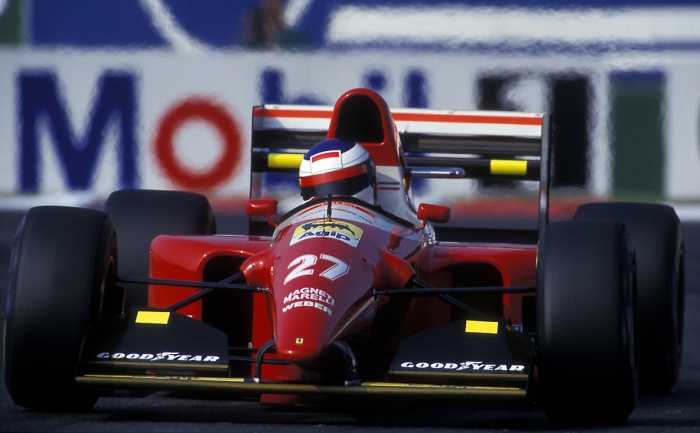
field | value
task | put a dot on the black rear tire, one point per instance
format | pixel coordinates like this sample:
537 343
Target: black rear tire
658 243
59 285
585 319
141 215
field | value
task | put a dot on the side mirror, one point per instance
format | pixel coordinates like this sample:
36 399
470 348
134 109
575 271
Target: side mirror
262 207
433 213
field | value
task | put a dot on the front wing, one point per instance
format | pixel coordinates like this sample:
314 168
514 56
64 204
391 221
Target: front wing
474 362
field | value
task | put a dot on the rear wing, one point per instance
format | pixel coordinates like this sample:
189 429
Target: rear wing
435 143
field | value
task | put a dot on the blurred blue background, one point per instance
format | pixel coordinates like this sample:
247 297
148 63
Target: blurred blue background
87 85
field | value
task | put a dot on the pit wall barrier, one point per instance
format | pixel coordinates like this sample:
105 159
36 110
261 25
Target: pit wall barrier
81 123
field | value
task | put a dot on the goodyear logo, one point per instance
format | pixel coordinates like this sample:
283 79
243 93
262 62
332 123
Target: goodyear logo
339 230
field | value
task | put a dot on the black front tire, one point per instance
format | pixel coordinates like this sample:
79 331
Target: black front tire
658 243
59 285
585 322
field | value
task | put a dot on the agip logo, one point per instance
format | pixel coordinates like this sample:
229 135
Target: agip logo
339 230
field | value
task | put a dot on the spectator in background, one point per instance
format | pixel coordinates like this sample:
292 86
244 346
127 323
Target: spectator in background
267 30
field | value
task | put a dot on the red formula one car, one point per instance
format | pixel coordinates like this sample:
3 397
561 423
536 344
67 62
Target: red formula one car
349 298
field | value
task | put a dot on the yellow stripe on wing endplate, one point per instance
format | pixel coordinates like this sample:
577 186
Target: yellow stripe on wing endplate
508 167
153 317
481 327
284 160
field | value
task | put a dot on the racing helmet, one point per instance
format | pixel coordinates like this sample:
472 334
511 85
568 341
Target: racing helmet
337 167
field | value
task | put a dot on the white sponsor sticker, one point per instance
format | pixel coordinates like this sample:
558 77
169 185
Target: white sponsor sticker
309 297
467 365
162 356
339 230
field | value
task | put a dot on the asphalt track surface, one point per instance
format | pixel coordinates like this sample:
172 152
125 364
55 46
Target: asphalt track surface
679 410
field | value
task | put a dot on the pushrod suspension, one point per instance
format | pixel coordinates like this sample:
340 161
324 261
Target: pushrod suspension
423 286
208 287
223 284
413 293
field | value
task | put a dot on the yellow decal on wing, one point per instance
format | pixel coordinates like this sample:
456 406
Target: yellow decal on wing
481 327
508 167
284 160
153 317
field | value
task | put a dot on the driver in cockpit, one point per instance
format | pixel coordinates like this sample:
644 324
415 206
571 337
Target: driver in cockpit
338 167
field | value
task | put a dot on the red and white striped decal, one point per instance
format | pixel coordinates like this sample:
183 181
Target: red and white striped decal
332 176
503 124
292 117
326 155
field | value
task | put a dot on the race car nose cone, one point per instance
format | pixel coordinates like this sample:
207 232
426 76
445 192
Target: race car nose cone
299 349
301 335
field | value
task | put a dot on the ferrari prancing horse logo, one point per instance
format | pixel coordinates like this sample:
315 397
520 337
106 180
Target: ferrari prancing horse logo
304 265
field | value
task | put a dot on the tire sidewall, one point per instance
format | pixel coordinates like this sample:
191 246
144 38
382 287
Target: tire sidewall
657 234
57 280
586 309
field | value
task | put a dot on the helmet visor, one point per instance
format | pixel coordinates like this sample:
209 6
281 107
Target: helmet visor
318 186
